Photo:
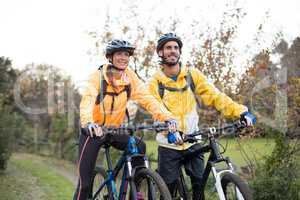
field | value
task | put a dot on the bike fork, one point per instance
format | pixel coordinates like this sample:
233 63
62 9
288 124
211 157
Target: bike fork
218 183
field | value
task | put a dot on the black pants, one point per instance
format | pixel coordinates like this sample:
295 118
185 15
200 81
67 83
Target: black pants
88 152
170 162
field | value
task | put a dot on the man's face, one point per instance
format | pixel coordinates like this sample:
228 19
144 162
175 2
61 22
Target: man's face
170 53
120 59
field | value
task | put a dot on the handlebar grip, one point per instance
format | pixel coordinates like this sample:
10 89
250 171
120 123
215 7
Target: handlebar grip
85 131
240 124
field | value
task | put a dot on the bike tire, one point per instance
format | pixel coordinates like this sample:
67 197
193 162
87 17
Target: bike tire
230 179
99 175
181 190
151 185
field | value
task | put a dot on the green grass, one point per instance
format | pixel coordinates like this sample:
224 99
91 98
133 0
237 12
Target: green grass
17 186
52 186
30 177
255 149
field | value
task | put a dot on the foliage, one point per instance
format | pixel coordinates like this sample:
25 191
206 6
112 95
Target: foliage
272 83
269 87
278 177
9 120
213 54
5 140
213 49
47 90
40 116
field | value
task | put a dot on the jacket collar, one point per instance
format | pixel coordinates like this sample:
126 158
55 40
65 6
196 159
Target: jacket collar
164 79
124 80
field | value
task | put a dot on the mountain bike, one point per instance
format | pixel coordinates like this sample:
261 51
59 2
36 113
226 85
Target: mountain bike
143 182
228 185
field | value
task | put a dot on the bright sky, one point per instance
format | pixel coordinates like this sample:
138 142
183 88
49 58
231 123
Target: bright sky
54 31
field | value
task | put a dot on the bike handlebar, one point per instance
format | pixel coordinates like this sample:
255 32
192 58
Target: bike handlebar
213 131
158 127
133 128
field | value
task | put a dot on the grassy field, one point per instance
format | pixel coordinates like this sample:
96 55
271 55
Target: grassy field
34 177
255 149
31 177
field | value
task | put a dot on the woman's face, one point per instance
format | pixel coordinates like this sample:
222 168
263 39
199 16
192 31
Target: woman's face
120 59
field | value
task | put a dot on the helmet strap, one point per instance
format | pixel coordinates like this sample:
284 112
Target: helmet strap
115 68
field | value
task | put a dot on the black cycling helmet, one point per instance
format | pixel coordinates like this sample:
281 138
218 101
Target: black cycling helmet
166 38
118 45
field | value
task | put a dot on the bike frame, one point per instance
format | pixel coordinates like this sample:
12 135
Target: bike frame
128 171
214 158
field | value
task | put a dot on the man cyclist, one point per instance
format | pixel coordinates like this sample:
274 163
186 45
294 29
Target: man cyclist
175 87
104 104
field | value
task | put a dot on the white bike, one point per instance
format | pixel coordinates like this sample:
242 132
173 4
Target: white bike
228 185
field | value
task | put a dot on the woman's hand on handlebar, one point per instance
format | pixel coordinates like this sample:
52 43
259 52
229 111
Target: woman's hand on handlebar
94 129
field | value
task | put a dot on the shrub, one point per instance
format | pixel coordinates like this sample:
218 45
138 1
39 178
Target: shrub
278 177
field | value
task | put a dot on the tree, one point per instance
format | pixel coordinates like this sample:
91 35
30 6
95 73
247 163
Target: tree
9 120
49 100
273 84
213 56
273 87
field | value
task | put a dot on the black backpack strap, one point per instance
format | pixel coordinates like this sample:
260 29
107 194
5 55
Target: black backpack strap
191 84
128 91
161 92
190 81
172 89
127 115
102 92
103 87
161 89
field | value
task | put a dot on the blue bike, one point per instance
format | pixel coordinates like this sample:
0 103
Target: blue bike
143 182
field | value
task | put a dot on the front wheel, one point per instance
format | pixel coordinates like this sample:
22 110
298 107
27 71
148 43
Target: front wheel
149 185
99 176
235 188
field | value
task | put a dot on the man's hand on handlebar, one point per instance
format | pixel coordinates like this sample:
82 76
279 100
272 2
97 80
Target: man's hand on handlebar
248 118
175 138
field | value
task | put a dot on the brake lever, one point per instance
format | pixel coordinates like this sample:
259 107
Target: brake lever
240 125
159 127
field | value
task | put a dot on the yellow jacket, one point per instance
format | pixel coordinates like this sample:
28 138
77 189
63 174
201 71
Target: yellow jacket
90 112
183 105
